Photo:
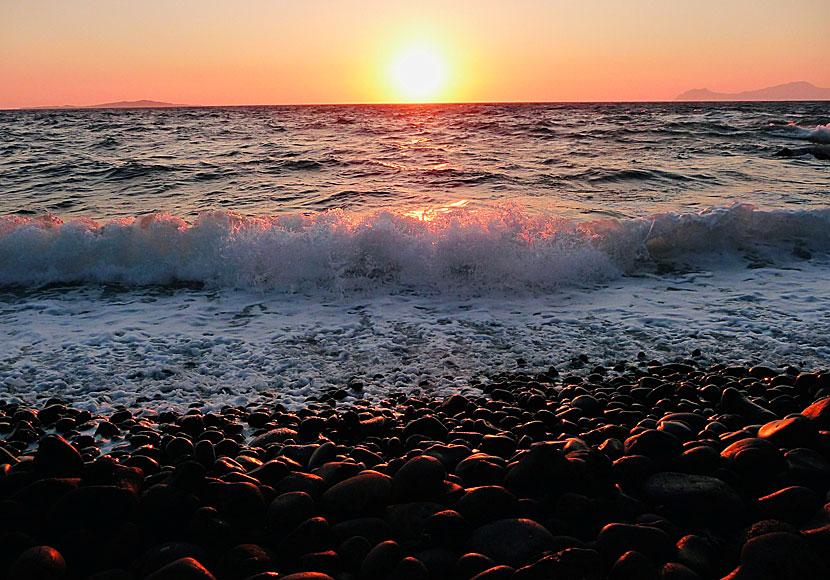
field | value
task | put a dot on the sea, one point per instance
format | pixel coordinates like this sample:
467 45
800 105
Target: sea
176 257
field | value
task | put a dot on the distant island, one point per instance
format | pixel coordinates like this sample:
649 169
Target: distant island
797 91
142 104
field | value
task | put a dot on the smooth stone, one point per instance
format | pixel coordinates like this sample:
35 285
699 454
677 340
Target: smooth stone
244 560
755 457
778 556
496 573
273 437
182 569
447 528
633 566
694 499
361 495
698 553
808 468
676 571
734 402
38 563
819 413
312 535
408 519
540 471
409 569
660 446
794 505
381 560
420 478
792 431
286 511
614 540
471 565
514 541
55 457
427 426
480 505
241 503
156 557
307 576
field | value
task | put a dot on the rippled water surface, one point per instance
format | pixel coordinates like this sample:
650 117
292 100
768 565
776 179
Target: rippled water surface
583 160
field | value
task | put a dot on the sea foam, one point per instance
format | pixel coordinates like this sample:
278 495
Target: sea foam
501 249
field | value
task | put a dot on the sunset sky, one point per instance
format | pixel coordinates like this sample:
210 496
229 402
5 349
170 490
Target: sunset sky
205 52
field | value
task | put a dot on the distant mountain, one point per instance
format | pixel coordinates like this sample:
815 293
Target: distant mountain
143 104
798 91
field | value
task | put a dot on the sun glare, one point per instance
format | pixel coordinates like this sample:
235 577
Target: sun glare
418 73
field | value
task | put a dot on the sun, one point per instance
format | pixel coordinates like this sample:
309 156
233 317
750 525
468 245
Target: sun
418 73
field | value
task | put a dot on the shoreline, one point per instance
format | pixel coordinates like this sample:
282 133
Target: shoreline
650 470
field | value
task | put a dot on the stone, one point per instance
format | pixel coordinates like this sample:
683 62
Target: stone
794 505
660 446
307 576
38 563
633 566
542 470
790 432
182 569
361 495
754 457
819 413
514 542
471 565
409 569
480 505
286 511
420 478
778 556
427 426
694 499
447 528
676 571
244 560
273 437
616 539
57 458
381 560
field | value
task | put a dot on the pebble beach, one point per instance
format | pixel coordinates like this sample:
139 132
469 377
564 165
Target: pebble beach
648 470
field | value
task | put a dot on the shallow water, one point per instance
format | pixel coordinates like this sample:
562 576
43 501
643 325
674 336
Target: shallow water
300 248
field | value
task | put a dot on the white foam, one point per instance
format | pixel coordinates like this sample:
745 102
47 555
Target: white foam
817 134
466 250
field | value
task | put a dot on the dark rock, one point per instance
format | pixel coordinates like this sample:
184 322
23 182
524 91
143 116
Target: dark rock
633 566
699 553
676 571
57 458
791 431
480 505
409 569
496 573
694 499
273 437
327 562
472 564
407 520
819 413
540 471
420 478
660 446
286 511
381 560
632 471
794 505
448 528
37 563
361 495
734 402
778 556
755 458
182 569
428 426
616 539
307 576
514 542
156 557
242 504
243 561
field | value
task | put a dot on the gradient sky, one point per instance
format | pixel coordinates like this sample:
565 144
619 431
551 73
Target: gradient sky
206 52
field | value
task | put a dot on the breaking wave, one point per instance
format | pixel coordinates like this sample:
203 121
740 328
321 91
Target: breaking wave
502 249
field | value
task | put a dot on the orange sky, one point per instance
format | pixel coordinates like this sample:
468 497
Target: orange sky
208 52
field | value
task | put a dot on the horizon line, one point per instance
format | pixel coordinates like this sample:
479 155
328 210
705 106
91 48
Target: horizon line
396 104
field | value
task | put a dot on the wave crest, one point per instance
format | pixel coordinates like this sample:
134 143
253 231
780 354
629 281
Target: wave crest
497 249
